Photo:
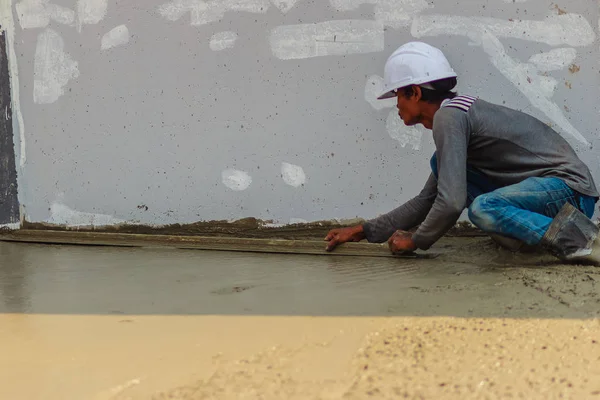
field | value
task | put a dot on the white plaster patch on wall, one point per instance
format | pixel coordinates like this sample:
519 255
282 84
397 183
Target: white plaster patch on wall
567 29
293 175
547 85
514 1
554 59
527 77
175 9
8 24
223 40
32 14
236 180
536 87
330 38
284 5
117 36
405 135
38 13
60 14
373 89
13 227
60 214
90 11
392 13
205 12
53 68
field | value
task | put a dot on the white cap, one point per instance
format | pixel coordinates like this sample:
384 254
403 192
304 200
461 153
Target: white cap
414 63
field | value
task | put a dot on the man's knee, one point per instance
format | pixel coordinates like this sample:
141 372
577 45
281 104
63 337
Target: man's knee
482 212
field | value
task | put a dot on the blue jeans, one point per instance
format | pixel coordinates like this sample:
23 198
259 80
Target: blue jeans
522 211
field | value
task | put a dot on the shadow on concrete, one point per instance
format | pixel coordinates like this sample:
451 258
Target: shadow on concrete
474 279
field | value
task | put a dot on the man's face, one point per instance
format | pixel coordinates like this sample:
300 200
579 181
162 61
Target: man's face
408 108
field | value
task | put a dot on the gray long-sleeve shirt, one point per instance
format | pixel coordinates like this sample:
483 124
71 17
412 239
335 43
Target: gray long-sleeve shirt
506 145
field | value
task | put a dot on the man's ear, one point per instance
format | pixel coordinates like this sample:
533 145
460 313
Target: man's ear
417 93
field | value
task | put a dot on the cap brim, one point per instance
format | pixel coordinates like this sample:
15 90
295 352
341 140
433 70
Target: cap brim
404 83
387 95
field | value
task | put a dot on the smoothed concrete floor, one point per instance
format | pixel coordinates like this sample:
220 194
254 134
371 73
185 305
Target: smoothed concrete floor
477 322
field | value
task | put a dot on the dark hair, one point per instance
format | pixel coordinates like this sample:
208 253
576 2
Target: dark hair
443 90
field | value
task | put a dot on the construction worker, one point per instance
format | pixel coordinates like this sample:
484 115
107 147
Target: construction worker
520 180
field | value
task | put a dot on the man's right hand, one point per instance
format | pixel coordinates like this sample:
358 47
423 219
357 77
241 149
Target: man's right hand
336 237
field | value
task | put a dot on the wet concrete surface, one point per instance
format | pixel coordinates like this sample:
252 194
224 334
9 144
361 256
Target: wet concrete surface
473 279
477 322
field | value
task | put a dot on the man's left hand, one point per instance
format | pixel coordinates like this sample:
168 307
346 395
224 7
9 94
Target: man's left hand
401 242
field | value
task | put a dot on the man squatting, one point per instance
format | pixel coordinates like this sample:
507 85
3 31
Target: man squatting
521 181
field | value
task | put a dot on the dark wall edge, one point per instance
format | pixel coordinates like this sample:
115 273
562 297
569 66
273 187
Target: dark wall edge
9 202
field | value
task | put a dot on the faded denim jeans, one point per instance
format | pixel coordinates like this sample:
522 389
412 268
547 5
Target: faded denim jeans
523 211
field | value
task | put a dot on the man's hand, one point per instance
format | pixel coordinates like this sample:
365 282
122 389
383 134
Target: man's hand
401 242
338 236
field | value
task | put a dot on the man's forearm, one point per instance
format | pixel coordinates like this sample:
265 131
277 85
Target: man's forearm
428 234
405 217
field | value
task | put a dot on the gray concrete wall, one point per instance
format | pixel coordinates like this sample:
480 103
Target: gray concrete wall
163 111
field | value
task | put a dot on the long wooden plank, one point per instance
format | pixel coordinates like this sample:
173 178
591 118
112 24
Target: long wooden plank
313 247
